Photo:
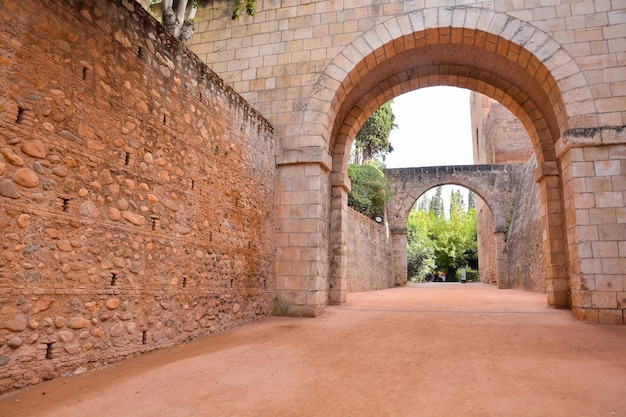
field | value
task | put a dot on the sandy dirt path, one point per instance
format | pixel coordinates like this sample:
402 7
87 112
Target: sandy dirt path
421 350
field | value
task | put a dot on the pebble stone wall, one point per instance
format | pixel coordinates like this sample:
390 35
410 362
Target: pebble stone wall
136 191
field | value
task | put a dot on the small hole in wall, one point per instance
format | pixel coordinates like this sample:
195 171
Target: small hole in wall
164 119
127 158
144 337
49 350
85 70
113 279
210 236
193 184
184 282
154 221
140 52
66 203
20 115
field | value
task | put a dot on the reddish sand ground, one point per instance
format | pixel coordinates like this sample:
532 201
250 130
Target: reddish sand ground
422 350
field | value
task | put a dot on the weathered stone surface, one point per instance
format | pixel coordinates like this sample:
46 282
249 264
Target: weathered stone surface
64 245
123 204
61 171
42 305
72 349
114 214
136 219
113 304
59 321
17 324
34 148
105 177
78 323
48 184
15 342
89 209
66 336
166 202
116 330
26 177
22 221
38 168
52 233
7 189
11 157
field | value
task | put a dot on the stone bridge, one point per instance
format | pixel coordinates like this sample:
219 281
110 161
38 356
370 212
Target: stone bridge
495 184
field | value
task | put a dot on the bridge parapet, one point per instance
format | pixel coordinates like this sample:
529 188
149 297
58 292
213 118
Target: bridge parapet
496 184
491 168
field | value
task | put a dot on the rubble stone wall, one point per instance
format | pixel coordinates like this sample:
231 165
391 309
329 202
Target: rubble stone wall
486 243
526 263
370 258
136 191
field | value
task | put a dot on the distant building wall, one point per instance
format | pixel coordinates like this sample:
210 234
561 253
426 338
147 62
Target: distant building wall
136 192
499 137
370 260
486 243
526 268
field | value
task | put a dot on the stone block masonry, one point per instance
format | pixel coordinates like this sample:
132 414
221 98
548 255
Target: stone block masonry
318 70
136 191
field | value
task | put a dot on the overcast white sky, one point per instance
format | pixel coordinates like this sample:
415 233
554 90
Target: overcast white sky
434 128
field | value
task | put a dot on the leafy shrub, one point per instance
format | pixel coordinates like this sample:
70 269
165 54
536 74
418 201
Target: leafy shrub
370 190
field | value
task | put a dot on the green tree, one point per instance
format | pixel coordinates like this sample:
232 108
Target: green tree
372 141
452 239
436 243
420 248
471 200
436 203
457 205
370 190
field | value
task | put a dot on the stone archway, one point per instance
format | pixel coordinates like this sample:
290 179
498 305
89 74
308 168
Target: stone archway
317 73
494 184
499 56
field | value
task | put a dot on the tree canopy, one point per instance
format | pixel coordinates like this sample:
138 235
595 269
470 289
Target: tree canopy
372 141
370 191
437 243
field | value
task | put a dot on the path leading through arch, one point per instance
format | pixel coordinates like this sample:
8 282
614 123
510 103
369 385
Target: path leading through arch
429 349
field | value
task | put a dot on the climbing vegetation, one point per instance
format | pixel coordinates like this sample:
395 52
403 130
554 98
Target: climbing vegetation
370 190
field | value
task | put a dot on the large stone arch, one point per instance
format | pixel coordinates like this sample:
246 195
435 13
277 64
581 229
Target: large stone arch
496 185
482 50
